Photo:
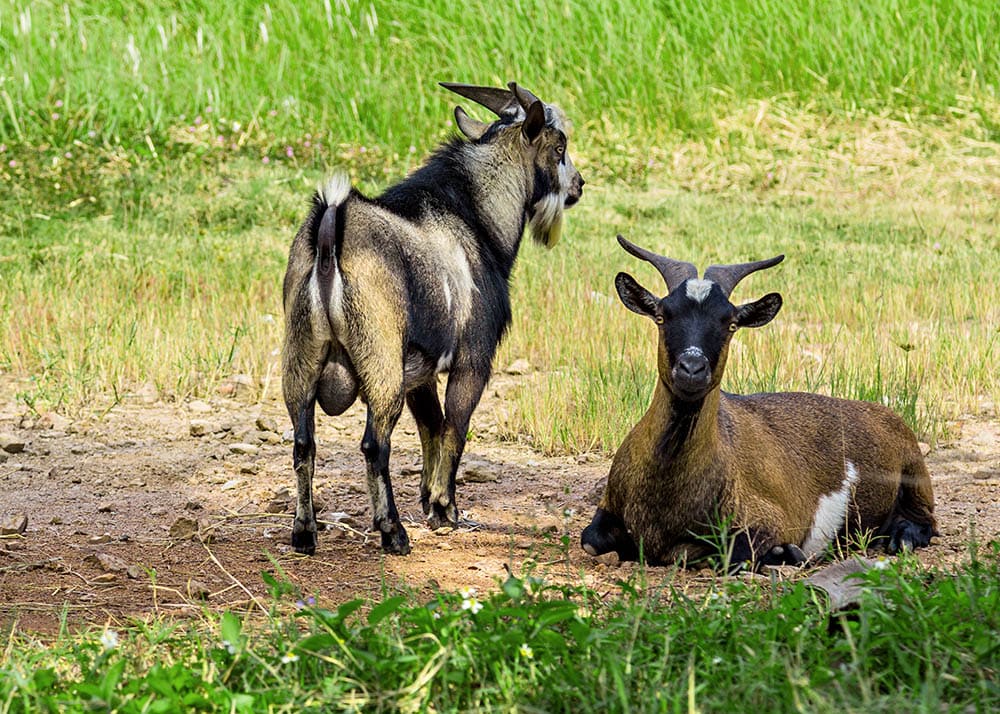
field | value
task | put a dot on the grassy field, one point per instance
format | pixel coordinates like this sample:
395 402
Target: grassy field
156 158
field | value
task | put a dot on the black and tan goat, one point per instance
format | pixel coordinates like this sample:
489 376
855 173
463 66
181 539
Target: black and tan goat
787 473
384 294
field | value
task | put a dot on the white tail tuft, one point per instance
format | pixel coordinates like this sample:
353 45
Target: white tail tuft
335 190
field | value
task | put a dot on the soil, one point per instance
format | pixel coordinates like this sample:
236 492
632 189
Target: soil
130 515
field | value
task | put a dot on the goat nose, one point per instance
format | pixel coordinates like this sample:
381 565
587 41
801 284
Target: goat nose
692 366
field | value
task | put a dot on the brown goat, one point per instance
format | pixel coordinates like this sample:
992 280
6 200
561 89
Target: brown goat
787 473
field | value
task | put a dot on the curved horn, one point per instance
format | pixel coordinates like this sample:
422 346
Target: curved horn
470 127
727 276
674 272
524 97
501 102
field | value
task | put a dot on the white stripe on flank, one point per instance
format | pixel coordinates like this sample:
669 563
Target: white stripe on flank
698 289
830 513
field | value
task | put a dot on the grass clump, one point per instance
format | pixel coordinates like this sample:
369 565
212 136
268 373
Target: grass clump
918 641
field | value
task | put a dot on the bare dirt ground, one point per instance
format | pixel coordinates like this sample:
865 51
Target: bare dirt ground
131 514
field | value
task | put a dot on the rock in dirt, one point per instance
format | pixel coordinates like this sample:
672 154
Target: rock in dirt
51 420
106 562
99 539
199 407
478 472
184 528
197 590
106 508
278 505
201 427
244 449
518 367
266 423
15 525
11 444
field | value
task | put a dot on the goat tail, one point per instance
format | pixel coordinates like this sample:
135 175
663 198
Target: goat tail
329 229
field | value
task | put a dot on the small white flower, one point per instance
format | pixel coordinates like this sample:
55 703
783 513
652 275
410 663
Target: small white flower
109 640
289 657
436 615
526 651
229 647
881 564
472 605
717 660
467 593
569 512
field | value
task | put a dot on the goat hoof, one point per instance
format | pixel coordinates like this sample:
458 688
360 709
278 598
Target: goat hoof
304 541
784 554
439 517
907 535
396 542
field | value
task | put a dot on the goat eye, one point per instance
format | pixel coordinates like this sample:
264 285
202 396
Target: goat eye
659 319
732 326
560 150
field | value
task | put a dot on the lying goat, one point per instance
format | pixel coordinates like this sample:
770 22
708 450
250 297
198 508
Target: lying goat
788 472
383 294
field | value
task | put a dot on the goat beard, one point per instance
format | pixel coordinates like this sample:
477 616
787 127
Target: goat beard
546 222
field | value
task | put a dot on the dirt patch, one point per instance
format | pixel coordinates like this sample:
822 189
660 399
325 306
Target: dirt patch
130 514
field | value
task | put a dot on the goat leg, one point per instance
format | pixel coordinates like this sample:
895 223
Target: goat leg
376 448
465 387
426 409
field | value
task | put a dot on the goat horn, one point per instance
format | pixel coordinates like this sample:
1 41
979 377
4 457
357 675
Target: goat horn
674 272
523 96
501 102
727 276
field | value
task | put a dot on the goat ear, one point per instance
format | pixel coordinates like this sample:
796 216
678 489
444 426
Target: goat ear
635 297
470 127
534 122
760 312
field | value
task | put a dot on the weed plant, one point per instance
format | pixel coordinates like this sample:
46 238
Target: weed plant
920 640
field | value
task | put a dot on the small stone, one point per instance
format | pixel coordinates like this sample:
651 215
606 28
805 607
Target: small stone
288 436
106 562
249 468
193 506
106 508
518 367
278 505
266 423
478 472
244 449
184 528
137 483
99 539
231 484
134 572
104 579
56 521
11 444
78 449
51 420
200 427
146 394
199 407
15 525
924 448
197 590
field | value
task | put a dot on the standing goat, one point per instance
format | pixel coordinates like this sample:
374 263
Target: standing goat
383 294
789 472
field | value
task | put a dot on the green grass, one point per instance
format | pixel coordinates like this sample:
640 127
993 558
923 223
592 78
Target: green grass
131 70
918 641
